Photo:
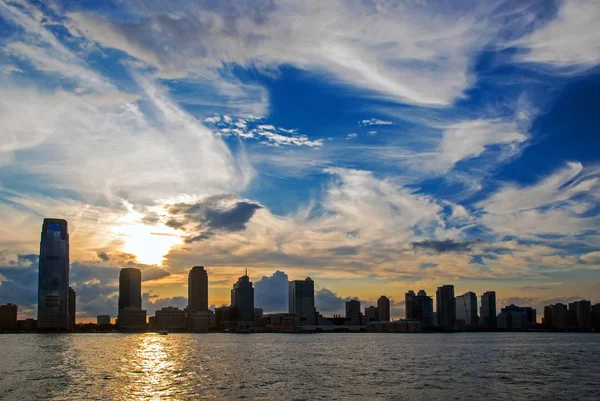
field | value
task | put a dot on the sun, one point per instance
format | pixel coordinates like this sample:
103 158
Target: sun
148 242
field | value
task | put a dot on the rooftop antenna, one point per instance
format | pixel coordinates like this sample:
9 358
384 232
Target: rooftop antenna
246 272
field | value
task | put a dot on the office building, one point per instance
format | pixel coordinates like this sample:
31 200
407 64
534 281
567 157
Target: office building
556 317
419 307
487 311
53 284
103 320
8 317
596 318
202 321
197 290
353 309
466 309
242 298
131 315
372 313
170 318
580 315
446 308
302 298
72 308
511 311
383 309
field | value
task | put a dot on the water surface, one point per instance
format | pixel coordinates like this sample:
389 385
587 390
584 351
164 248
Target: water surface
469 366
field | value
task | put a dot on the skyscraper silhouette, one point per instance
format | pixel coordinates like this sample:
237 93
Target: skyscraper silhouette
53 284
242 298
466 309
302 297
487 311
383 308
131 315
445 308
72 308
197 290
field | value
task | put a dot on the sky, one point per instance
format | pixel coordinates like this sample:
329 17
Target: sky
375 146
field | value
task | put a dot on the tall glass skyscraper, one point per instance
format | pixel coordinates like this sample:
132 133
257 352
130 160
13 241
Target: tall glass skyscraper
242 298
53 284
419 307
487 311
302 297
466 308
131 315
197 290
383 308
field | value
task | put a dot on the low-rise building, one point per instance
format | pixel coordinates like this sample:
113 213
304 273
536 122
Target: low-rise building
170 318
202 321
8 317
103 320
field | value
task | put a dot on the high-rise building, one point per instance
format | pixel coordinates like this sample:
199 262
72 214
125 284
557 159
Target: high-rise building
466 309
446 307
419 307
353 309
372 313
487 311
197 290
302 297
596 317
103 320
53 285
517 317
580 315
131 315
8 317
556 317
242 298
72 308
383 309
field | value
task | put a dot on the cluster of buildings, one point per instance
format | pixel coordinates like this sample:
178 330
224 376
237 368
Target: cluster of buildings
57 306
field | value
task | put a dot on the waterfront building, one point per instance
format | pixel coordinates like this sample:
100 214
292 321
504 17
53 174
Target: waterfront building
353 309
53 283
242 298
446 308
27 325
372 313
197 290
8 317
580 315
131 315
383 309
202 321
170 318
419 307
103 320
466 309
302 298
530 317
487 311
512 320
72 308
596 318
556 317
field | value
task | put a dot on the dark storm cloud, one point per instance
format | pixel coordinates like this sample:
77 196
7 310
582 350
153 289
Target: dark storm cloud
444 246
154 273
271 292
211 215
21 282
103 256
328 301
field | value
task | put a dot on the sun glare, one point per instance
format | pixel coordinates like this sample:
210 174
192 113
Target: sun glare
148 242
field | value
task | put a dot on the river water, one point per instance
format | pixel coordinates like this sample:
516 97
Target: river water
469 366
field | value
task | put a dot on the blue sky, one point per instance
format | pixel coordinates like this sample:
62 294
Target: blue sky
377 146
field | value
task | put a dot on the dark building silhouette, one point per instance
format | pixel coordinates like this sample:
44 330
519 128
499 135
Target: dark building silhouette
419 307
517 317
103 320
72 307
556 317
170 318
131 315
446 308
302 297
8 317
353 309
580 315
383 309
596 317
242 298
487 311
372 313
466 309
197 290
53 284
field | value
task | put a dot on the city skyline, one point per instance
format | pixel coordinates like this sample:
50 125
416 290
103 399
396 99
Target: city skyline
374 146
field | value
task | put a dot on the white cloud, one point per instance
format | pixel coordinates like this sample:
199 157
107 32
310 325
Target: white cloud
353 135
374 121
571 39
